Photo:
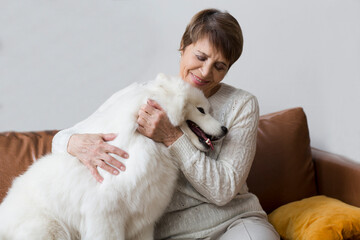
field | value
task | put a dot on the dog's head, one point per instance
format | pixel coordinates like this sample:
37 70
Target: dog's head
188 108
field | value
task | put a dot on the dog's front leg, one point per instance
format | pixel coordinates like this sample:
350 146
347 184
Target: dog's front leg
147 233
109 234
101 227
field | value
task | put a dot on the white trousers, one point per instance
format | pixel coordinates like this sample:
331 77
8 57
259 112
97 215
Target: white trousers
255 227
252 228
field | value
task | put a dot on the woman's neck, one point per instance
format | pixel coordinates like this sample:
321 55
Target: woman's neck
212 91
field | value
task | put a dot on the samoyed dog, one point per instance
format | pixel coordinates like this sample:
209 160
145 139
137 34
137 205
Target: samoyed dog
58 198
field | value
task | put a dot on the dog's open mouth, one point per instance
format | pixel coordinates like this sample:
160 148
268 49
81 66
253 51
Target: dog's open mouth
204 138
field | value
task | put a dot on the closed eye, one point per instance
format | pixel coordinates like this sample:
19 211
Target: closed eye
220 67
201 58
201 110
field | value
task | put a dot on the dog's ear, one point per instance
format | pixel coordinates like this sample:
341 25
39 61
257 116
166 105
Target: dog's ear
170 92
161 76
175 109
161 80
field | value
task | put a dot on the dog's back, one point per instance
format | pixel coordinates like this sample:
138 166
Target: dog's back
57 198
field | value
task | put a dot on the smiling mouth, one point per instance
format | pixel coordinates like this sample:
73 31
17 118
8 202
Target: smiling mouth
199 80
204 138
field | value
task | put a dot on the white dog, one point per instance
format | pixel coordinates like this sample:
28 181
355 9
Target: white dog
57 198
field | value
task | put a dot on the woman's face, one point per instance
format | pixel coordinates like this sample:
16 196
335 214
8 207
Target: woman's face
203 66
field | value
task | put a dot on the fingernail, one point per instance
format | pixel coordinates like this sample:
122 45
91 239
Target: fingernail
115 172
126 155
122 168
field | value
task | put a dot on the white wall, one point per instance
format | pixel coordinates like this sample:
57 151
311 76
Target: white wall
59 60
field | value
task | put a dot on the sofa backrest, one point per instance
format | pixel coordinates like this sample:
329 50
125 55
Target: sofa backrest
18 150
283 170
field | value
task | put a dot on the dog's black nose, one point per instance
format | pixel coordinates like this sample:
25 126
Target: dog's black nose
225 130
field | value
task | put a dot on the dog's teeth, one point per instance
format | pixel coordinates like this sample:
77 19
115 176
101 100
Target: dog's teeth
207 141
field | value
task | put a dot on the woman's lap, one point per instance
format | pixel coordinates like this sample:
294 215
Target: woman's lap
250 228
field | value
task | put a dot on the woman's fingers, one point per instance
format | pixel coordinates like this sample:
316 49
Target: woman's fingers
112 149
154 104
148 109
154 123
95 172
104 164
141 121
108 136
94 151
115 150
106 160
112 161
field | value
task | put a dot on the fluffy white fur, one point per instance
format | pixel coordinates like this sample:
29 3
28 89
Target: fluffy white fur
57 198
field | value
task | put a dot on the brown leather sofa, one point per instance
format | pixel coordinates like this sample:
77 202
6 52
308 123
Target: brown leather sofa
285 168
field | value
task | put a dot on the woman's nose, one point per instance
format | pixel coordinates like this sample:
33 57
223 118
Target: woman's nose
205 70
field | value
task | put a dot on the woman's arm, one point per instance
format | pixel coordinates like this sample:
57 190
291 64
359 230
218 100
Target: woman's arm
92 149
153 123
219 180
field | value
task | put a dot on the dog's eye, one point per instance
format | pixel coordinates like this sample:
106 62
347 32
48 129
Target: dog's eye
201 110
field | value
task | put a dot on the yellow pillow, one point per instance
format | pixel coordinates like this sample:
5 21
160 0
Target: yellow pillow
317 218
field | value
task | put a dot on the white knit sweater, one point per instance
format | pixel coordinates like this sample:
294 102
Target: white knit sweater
212 190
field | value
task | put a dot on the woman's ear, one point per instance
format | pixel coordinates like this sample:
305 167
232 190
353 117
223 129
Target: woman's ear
181 49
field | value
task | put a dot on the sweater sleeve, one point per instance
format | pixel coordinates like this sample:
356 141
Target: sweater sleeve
61 139
220 180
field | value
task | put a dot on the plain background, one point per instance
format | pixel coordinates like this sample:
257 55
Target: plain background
60 60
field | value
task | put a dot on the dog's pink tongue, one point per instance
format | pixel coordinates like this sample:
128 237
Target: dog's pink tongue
200 133
208 142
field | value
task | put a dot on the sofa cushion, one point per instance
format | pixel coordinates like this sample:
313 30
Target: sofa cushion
283 170
18 151
317 218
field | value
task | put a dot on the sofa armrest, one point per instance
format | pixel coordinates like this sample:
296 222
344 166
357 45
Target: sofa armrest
337 176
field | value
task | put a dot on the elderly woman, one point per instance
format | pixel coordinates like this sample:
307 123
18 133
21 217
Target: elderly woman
212 199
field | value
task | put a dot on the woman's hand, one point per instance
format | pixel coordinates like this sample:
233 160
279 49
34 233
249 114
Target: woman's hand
92 150
155 124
